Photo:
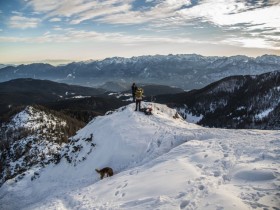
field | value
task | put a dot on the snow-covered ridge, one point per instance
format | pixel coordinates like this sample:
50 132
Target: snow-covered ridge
160 162
130 132
31 140
34 119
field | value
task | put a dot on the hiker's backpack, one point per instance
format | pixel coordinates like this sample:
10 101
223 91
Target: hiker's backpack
139 93
148 111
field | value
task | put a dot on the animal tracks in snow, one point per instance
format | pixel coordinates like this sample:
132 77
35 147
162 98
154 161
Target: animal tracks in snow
120 189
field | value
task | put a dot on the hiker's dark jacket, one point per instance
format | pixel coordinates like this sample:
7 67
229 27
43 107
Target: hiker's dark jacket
133 89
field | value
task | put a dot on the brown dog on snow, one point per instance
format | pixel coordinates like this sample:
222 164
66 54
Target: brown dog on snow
105 171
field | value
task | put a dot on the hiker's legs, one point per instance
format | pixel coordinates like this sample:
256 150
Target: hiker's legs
139 105
136 104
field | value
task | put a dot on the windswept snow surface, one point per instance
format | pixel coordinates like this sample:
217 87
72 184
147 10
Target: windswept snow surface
160 162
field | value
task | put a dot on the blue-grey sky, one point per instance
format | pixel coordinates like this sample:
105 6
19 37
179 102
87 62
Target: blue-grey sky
67 30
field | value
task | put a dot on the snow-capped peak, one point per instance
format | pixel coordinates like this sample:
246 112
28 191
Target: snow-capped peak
132 133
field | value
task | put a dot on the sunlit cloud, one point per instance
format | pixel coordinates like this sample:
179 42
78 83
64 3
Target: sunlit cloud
55 20
13 39
169 12
109 11
232 12
71 35
158 14
45 6
23 22
253 42
99 12
57 28
77 9
16 13
251 19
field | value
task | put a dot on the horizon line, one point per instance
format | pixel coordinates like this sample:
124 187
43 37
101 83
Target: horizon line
57 62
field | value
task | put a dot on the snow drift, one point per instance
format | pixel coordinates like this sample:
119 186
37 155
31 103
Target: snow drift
160 162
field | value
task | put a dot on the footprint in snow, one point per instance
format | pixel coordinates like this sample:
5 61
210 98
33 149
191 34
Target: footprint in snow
199 165
133 172
181 194
184 204
201 187
219 208
224 147
158 143
217 173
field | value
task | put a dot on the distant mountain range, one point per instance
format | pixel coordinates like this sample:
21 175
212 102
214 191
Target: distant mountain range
233 102
184 71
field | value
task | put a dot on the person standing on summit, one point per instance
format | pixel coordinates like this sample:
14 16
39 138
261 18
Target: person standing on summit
133 91
138 95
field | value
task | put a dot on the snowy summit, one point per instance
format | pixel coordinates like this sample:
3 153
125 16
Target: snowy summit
159 161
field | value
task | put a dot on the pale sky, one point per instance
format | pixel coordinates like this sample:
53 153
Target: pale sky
74 30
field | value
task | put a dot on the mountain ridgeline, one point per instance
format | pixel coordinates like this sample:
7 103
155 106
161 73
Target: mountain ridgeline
184 71
82 103
233 102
